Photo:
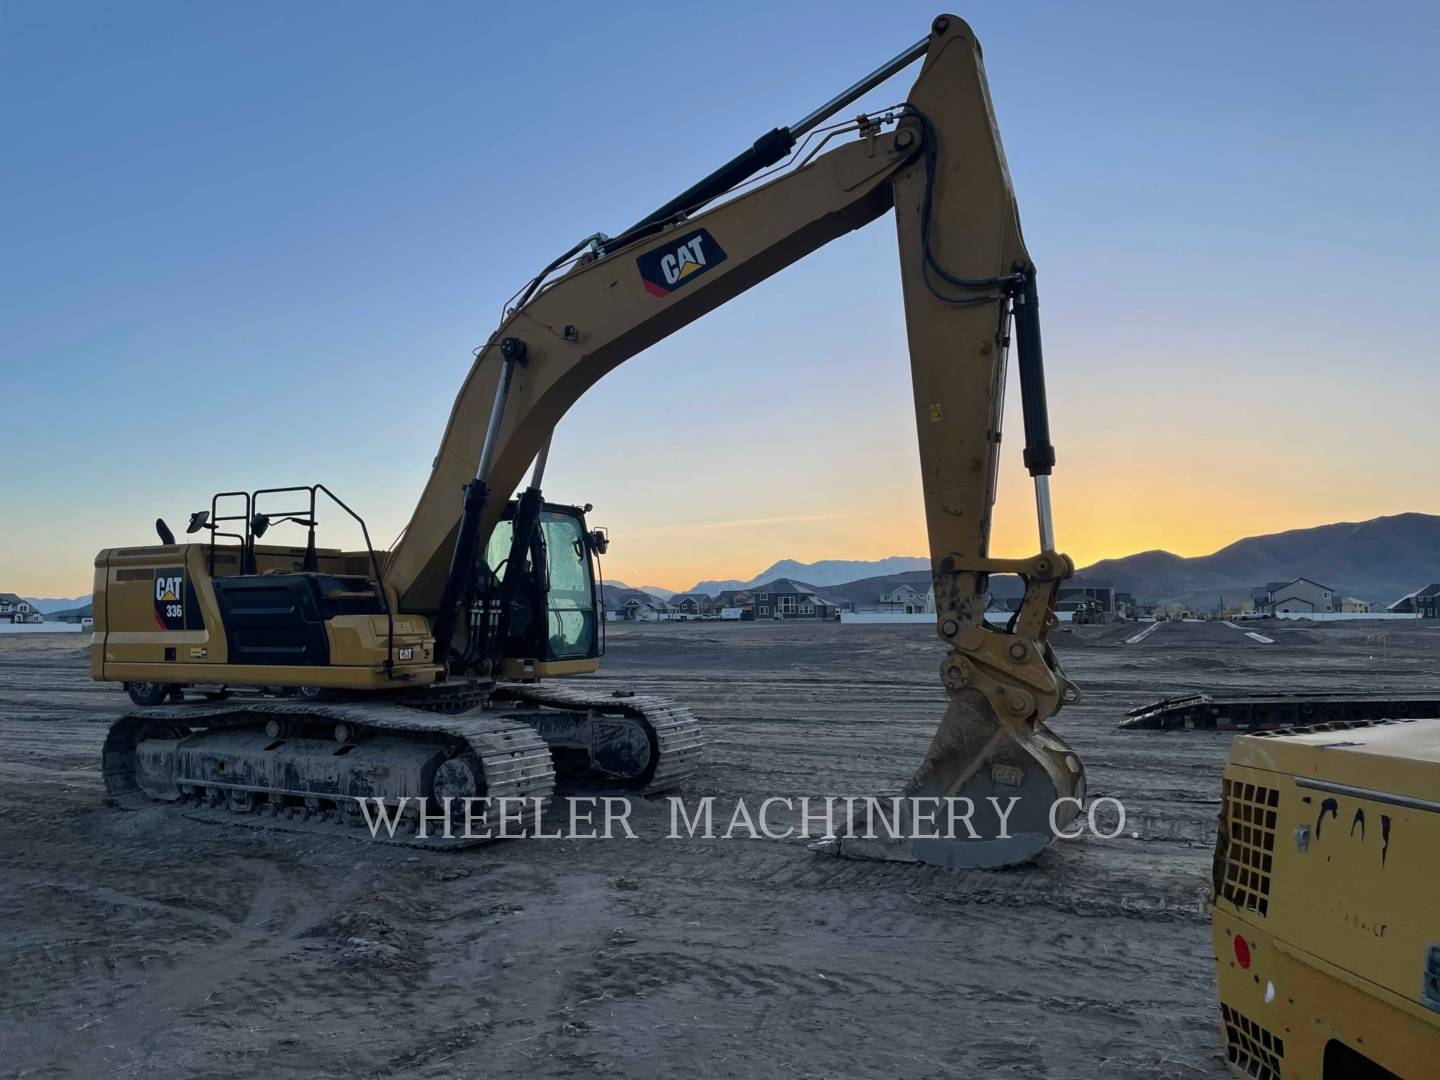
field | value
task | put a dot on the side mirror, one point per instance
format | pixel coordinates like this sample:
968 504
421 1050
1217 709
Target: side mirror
259 525
600 541
163 531
198 520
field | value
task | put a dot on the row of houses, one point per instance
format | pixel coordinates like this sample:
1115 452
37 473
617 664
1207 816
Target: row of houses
14 609
786 598
1082 602
1079 600
782 598
1302 596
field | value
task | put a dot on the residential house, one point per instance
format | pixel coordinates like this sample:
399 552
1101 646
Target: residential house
733 601
647 609
1418 602
632 605
1102 598
691 605
907 599
15 610
1125 606
1352 606
1299 596
787 599
864 594
1091 603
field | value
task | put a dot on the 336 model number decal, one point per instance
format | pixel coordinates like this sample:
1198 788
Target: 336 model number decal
170 598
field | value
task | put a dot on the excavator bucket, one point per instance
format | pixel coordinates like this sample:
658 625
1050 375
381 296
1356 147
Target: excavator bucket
989 793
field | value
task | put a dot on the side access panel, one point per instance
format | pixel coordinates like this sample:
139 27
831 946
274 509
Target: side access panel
272 619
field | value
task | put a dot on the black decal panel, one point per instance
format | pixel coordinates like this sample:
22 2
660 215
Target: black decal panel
679 261
170 589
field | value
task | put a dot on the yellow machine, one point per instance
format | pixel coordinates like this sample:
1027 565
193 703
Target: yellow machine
415 672
1325 915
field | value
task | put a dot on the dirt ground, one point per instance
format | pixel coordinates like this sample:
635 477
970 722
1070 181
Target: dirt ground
145 944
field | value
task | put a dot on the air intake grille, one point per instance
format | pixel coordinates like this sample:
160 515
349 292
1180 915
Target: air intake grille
1250 1048
1246 849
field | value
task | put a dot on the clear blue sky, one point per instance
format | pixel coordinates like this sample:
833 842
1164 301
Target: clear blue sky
251 244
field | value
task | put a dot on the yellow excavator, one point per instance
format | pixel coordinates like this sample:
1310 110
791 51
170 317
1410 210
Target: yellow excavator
423 671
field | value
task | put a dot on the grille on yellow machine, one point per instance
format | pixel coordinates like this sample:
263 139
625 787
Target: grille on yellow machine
1250 1048
1246 845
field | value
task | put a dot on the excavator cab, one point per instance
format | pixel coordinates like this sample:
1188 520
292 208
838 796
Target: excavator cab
551 622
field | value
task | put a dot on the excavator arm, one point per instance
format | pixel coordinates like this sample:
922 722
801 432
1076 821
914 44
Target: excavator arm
966 276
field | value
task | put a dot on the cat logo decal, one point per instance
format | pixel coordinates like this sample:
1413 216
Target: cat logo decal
679 262
170 598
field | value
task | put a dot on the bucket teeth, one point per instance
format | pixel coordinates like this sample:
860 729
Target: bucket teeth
988 794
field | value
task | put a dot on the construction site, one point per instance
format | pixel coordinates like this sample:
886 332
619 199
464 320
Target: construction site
287 800
149 944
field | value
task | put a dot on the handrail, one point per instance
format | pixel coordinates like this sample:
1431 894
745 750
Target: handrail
379 577
252 500
215 518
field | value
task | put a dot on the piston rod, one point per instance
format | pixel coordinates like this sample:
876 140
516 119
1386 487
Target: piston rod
864 86
477 495
767 150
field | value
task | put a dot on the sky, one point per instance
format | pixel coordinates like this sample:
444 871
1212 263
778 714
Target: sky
249 245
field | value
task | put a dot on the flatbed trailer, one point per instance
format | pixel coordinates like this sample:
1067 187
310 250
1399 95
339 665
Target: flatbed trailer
1260 711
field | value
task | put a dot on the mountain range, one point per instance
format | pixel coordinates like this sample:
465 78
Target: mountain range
822 573
1378 560
54 605
653 590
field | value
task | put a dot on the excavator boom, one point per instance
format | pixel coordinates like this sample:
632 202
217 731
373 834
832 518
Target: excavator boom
938 163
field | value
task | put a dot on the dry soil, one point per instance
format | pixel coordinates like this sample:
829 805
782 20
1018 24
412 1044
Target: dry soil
145 944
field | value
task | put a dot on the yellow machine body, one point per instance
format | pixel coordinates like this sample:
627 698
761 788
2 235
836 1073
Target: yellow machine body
157 619
133 643
1325 913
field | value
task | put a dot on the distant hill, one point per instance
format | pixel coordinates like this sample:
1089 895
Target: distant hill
653 590
821 574
1378 560
866 590
617 592
50 605
75 612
